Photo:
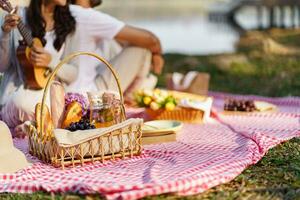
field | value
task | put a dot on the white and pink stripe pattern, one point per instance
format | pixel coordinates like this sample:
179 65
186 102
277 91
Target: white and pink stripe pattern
204 156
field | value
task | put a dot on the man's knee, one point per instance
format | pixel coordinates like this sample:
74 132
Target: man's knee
140 58
138 52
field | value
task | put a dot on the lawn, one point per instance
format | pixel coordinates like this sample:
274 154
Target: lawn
251 70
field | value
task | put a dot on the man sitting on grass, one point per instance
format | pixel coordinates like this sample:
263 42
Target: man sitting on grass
133 52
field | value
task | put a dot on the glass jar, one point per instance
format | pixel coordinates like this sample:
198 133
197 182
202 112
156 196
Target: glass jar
101 115
105 110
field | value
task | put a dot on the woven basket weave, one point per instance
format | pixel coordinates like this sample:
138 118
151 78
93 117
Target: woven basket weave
187 115
120 143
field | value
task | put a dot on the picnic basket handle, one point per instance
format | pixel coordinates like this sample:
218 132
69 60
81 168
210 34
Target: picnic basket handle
54 72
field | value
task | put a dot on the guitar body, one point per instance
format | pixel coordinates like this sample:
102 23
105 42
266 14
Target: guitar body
36 77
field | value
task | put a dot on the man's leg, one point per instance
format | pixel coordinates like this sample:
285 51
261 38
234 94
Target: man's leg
132 66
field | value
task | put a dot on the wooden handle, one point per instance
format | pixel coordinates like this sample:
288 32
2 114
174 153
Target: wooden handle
53 74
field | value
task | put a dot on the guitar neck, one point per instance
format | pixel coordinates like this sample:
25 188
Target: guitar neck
26 34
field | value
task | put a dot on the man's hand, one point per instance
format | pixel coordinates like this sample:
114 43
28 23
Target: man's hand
11 21
40 57
157 63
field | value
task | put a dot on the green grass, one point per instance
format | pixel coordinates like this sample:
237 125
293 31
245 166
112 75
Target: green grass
266 75
277 175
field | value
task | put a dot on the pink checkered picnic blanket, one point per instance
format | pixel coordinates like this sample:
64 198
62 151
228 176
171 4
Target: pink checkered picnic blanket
204 156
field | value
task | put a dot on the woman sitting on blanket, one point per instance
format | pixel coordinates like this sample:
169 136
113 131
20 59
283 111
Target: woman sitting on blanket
65 29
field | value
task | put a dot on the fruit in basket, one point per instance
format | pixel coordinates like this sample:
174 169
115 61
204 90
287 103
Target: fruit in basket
154 106
170 106
83 124
147 100
76 97
156 99
73 114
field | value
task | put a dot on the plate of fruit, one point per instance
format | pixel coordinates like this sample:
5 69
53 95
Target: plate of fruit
243 106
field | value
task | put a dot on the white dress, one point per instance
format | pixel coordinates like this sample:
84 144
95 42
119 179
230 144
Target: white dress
21 104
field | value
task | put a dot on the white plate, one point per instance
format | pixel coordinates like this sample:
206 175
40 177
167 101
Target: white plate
161 127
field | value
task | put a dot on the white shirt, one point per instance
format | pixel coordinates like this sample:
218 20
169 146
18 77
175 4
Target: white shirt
55 55
94 27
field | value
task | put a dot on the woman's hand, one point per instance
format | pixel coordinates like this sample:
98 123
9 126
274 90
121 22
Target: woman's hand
10 22
40 57
157 63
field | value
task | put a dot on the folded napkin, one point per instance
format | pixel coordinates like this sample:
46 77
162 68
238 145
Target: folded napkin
205 106
67 138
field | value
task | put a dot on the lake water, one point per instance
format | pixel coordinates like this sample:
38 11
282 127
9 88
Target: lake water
182 25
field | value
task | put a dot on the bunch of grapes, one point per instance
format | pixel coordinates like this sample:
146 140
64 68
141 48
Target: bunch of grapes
239 105
83 124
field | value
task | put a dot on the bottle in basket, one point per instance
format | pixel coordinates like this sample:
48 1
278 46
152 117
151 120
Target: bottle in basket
105 110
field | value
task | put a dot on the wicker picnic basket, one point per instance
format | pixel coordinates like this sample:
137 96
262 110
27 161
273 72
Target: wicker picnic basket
187 115
120 143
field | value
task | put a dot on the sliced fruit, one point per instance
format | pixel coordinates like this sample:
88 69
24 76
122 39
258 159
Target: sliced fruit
73 114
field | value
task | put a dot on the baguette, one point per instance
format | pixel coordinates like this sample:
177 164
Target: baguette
48 123
57 99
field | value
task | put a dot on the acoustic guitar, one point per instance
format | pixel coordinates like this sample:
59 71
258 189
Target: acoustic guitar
35 76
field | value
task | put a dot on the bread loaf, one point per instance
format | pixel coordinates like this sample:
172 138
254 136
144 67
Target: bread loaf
48 123
57 99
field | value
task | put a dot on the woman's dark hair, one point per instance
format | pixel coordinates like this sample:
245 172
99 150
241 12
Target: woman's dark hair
93 3
64 23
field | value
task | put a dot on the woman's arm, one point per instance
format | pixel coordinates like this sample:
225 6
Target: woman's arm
8 23
4 49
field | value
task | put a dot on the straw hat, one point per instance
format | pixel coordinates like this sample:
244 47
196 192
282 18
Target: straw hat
11 159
